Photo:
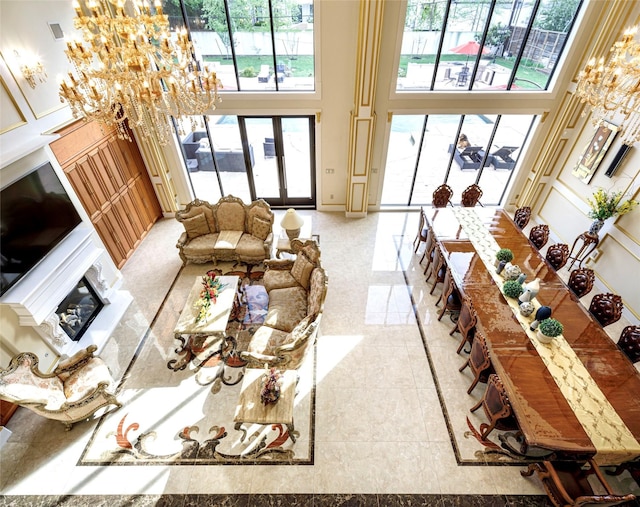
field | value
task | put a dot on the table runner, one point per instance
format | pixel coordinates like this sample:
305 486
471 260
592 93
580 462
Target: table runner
613 441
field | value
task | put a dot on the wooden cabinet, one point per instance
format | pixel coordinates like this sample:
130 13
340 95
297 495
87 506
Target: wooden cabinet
111 181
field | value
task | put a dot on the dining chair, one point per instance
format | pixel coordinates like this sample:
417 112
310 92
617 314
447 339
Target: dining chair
466 324
471 196
497 408
539 235
567 483
557 255
521 216
442 196
450 296
421 236
629 342
478 361
606 308
581 281
429 249
438 267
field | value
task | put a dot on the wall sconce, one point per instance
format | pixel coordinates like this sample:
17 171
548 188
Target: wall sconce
32 70
291 223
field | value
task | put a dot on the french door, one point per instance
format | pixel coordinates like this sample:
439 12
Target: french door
284 171
254 157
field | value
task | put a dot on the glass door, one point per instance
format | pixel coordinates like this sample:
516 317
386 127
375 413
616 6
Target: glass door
284 149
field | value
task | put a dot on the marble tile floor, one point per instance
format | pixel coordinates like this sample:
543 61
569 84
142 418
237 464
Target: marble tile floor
380 433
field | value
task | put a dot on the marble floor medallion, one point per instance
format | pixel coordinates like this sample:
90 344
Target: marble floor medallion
185 415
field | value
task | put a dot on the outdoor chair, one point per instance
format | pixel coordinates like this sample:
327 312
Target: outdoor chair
567 484
269 147
501 158
74 391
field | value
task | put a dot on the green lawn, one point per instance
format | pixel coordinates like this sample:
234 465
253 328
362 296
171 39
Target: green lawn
249 66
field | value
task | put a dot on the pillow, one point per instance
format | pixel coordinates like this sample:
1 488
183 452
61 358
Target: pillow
204 143
261 228
196 226
301 271
302 330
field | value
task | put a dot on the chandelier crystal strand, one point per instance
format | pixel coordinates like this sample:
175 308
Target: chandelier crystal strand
613 88
130 71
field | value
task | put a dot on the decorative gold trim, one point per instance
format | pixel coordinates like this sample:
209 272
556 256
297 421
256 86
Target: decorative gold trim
555 156
608 285
15 105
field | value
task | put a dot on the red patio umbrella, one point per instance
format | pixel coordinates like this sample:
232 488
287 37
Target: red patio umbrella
469 48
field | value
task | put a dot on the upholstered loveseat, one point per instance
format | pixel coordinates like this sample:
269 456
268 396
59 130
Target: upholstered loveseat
229 230
297 290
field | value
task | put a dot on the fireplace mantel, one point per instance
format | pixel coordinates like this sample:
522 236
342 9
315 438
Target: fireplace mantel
35 298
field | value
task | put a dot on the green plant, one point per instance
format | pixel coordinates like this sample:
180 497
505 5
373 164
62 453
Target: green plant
248 72
504 254
606 205
512 288
551 327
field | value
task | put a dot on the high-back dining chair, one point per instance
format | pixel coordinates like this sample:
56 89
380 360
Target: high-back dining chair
567 484
450 296
521 216
606 308
478 361
539 235
466 324
442 196
581 281
438 267
629 343
557 255
497 408
421 236
471 196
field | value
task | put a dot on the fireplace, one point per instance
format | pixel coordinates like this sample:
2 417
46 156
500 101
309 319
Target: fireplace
78 309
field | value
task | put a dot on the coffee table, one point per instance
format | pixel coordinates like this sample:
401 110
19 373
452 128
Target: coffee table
199 341
250 408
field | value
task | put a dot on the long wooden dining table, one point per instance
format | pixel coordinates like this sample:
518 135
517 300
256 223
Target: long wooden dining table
543 404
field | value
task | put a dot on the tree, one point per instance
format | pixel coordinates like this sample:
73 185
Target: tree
556 15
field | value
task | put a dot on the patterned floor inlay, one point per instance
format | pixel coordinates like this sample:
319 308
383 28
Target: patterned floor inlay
185 415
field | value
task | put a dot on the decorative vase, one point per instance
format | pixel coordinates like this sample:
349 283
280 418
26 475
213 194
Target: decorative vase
512 272
533 288
501 265
525 297
526 308
543 338
544 312
596 226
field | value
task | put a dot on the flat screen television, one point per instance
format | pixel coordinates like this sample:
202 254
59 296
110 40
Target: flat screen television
36 214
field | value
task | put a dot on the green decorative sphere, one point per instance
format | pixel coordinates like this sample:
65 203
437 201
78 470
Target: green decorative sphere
551 327
504 254
512 288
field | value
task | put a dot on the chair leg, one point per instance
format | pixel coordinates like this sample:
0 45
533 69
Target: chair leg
463 342
473 385
464 366
476 406
485 429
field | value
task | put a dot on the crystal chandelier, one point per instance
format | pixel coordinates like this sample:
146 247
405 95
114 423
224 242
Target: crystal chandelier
613 89
128 70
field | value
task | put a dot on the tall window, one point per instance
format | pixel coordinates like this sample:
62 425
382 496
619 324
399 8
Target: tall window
252 45
462 45
426 151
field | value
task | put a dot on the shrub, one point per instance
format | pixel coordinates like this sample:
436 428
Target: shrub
512 288
551 327
504 254
248 72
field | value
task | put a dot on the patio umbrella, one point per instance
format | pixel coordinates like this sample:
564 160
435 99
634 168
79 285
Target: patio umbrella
469 48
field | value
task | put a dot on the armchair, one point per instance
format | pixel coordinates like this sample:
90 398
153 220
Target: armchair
74 391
